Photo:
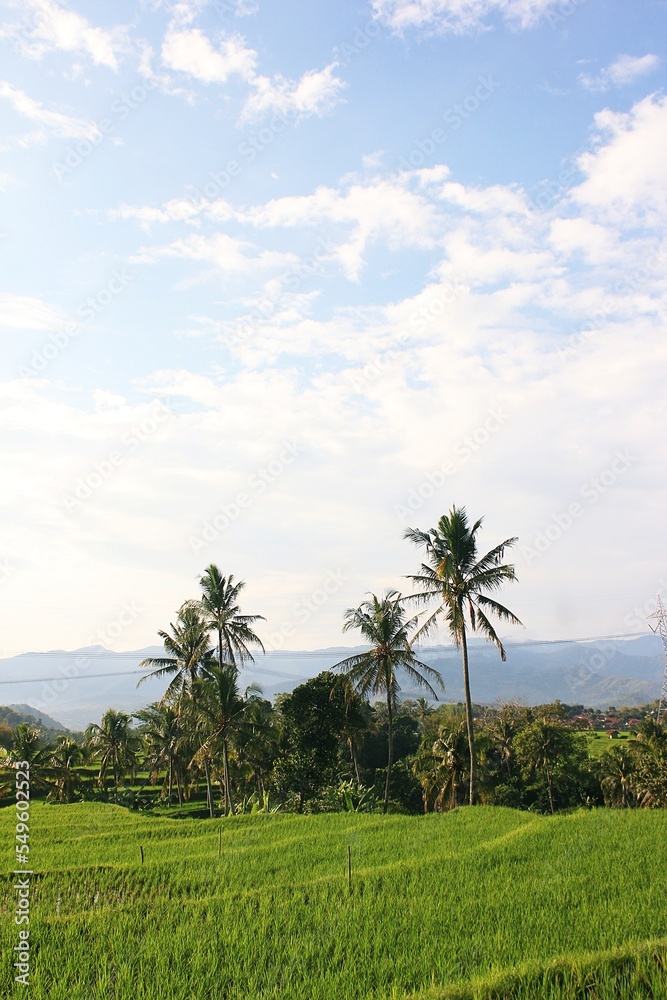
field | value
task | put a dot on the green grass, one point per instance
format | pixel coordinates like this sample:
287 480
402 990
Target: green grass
599 742
478 903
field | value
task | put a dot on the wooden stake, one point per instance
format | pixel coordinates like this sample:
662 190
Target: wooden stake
142 854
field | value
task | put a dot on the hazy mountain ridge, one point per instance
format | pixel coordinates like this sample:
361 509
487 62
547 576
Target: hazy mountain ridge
72 685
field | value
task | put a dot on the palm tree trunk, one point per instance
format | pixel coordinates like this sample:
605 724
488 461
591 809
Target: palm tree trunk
171 777
209 790
390 750
229 805
469 720
551 794
353 754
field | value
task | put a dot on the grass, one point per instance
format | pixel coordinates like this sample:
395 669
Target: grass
599 742
478 903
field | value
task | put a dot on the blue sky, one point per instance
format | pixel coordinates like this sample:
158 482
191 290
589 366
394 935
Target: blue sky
279 280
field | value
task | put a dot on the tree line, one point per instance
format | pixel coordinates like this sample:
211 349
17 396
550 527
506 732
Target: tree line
325 745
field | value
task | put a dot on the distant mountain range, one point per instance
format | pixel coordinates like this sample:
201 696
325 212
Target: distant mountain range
78 686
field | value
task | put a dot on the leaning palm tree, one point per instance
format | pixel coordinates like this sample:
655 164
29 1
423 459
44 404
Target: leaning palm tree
114 743
187 648
382 623
461 581
221 613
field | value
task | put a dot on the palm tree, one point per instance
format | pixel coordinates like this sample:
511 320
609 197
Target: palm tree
382 623
65 757
163 732
187 648
618 777
650 780
358 719
27 745
461 582
440 768
221 613
219 707
541 746
114 743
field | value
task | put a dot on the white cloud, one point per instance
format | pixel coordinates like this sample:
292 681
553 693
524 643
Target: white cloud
55 122
626 176
224 252
458 16
21 312
624 70
48 27
315 93
191 51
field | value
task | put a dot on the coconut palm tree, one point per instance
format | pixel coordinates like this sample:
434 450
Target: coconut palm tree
358 719
383 624
164 734
219 707
187 648
65 757
221 613
460 580
541 746
440 767
617 768
115 744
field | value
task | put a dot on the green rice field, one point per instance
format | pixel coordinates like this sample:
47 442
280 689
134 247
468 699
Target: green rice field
483 902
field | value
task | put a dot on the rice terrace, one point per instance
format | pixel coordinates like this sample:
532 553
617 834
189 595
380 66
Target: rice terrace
481 902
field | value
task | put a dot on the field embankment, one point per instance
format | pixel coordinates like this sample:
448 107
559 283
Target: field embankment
477 903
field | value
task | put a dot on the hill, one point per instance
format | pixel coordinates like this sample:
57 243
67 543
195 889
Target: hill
78 686
14 715
478 902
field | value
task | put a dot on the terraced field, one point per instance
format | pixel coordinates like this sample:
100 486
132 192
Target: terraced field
476 903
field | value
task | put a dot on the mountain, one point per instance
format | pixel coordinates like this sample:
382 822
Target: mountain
41 717
78 686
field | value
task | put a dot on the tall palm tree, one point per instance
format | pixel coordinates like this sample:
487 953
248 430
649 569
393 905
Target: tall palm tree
461 581
382 623
115 744
221 613
187 648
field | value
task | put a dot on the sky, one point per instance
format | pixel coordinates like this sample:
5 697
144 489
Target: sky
279 280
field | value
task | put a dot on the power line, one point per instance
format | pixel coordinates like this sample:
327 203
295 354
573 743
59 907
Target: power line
310 654
295 654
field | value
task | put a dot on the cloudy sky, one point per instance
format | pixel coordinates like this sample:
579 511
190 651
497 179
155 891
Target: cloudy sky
280 279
